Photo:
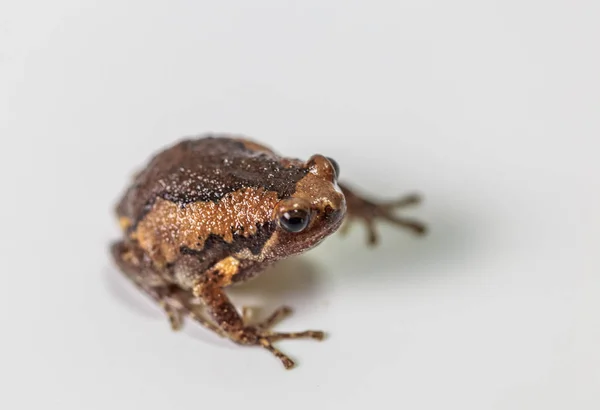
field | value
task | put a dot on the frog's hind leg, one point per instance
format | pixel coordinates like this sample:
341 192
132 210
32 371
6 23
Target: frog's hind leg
175 301
369 211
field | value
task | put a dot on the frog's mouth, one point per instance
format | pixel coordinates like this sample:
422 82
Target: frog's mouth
326 223
332 219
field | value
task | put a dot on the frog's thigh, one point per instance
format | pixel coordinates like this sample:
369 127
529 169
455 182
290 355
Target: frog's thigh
175 301
132 263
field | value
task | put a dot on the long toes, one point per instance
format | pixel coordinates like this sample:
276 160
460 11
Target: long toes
173 314
372 236
175 320
284 310
308 334
415 226
317 335
406 200
285 360
420 229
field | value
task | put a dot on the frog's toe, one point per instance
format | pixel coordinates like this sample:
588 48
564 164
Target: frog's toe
307 334
258 336
174 315
403 201
266 340
416 227
175 319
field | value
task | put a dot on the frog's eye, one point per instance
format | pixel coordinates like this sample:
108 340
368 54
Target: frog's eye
335 165
295 220
293 214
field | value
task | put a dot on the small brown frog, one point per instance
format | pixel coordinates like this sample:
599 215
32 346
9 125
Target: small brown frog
216 210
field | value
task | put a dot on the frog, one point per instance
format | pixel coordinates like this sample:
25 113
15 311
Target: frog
214 210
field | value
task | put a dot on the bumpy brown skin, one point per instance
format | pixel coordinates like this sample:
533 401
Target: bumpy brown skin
204 214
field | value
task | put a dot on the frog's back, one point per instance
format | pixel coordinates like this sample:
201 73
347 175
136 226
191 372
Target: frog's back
206 169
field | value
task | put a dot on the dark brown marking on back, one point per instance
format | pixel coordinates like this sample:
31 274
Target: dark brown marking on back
206 169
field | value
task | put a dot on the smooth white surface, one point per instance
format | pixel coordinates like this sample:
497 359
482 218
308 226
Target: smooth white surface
491 109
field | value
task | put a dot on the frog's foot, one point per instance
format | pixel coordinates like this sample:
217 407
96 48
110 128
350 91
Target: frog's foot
267 339
174 314
260 334
369 212
255 335
209 288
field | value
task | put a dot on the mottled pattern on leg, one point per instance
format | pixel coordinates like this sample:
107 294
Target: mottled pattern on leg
235 326
176 302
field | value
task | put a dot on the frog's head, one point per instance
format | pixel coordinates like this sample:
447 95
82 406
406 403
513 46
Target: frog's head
315 210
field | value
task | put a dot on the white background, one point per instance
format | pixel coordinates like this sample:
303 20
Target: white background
489 108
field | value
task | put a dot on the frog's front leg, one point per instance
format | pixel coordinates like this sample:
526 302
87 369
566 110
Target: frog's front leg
358 207
209 287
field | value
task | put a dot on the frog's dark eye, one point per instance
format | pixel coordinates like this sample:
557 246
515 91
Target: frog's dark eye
335 165
294 220
293 214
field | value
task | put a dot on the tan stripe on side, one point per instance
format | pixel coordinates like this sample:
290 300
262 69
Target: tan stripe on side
168 226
